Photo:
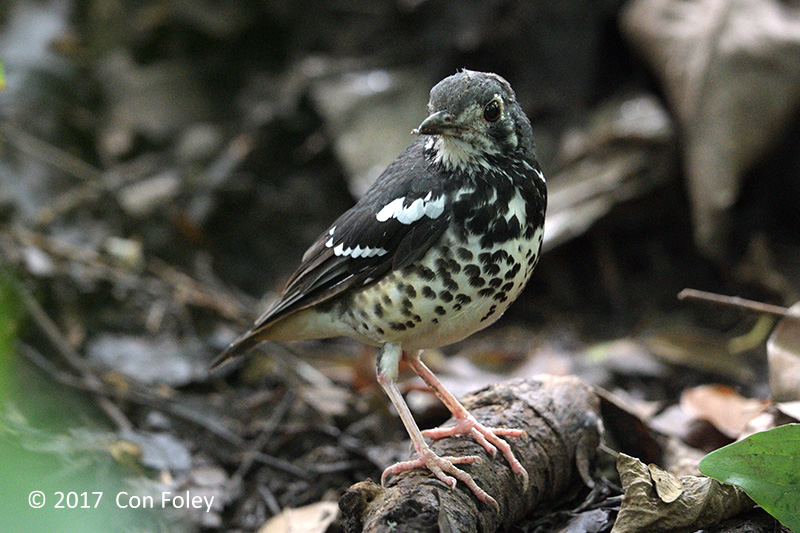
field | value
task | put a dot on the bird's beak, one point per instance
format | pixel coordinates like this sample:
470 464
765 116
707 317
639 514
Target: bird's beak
439 123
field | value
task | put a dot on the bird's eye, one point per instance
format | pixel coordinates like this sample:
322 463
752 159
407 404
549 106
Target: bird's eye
492 111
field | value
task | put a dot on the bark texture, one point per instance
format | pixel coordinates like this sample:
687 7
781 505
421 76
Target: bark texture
562 419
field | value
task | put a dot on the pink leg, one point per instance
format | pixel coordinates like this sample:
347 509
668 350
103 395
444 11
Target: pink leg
442 467
466 424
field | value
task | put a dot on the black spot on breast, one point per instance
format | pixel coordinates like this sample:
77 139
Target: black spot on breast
491 269
363 313
507 287
492 309
497 233
455 266
439 310
485 292
485 258
450 283
387 300
446 267
380 330
426 273
397 326
495 282
500 297
499 256
406 304
427 292
464 254
410 324
447 296
476 281
445 252
472 270
416 318
365 326
514 228
479 223
512 272
410 291
463 299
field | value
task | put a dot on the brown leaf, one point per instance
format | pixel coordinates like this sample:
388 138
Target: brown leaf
624 152
314 518
701 349
721 405
696 432
790 409
783 356
731 72
668 486
702 502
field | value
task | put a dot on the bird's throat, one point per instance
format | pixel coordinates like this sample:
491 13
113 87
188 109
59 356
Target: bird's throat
457 154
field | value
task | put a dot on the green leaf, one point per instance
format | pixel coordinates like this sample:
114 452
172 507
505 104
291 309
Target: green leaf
9 321
767 466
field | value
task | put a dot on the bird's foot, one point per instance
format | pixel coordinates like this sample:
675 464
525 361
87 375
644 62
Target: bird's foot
444 468
489 438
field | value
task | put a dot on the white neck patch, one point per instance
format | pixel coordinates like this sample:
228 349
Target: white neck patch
454 153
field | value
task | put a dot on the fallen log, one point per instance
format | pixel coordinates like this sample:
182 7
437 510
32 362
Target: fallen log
561 416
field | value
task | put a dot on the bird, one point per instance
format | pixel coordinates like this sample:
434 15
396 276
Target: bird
437 248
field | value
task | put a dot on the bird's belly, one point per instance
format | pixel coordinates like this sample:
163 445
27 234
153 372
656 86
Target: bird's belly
454 290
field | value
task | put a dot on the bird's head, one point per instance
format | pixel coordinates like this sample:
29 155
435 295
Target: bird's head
474 115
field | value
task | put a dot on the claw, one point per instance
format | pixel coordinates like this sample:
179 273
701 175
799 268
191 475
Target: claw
489 438
445 470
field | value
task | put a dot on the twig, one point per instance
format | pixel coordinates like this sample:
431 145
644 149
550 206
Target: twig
269 499
304 370
180 411
136 396
60 376
188 290
66 202
280 464
736 302
52 155
72 358
162 278
272 423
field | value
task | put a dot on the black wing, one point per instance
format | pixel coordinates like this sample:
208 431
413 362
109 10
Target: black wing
361 247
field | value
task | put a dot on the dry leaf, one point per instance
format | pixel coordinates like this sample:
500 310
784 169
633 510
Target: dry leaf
721 405
698 433
668 486
702 502
775 415
731 72
790 409
625 152
314 518
701 349
783 356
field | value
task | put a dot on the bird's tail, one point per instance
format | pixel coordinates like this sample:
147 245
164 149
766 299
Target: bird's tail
240 346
